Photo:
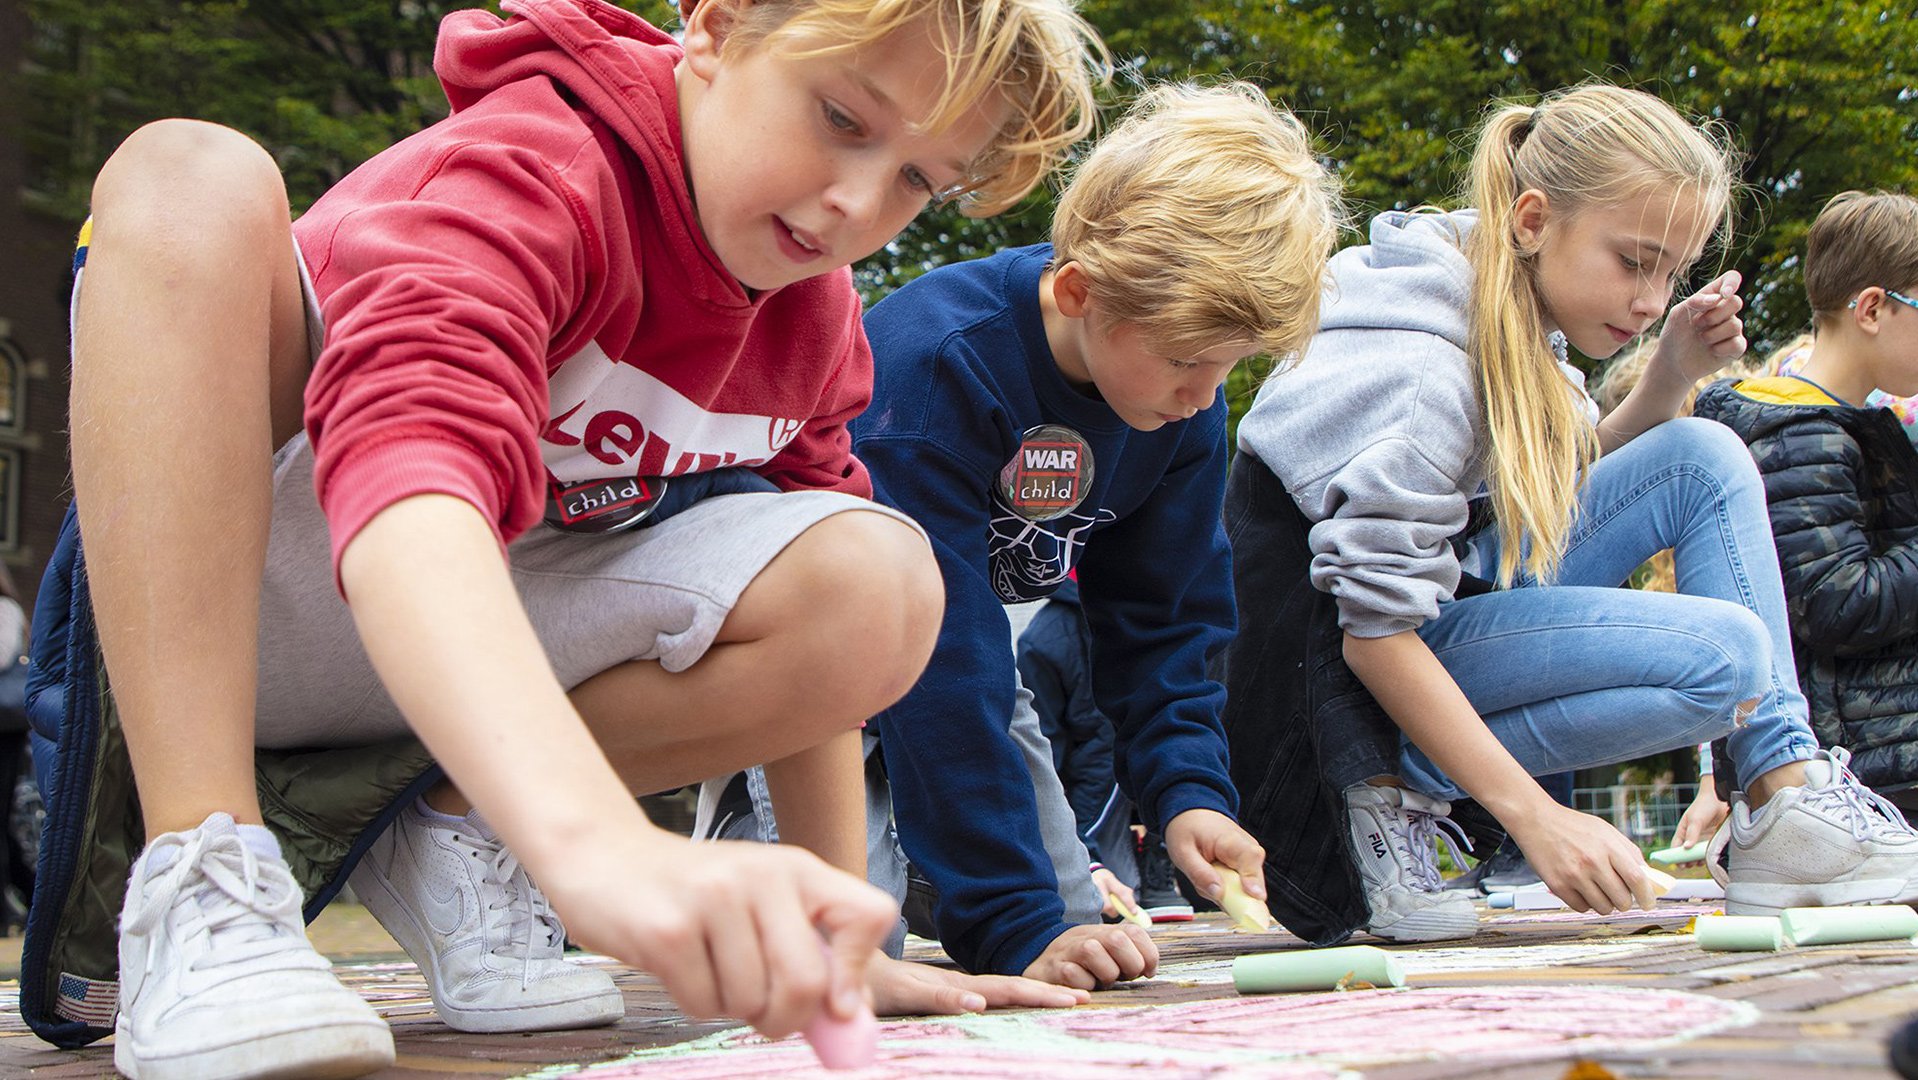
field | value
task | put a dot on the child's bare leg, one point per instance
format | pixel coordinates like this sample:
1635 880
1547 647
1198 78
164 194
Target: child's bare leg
835 629
827 783
189 358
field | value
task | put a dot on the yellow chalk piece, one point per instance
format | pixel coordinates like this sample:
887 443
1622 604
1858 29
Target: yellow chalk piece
1247 914
1129 913
1662 882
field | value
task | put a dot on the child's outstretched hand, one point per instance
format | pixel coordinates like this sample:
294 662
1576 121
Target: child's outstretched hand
731 929
1197 839
905 989
1703 331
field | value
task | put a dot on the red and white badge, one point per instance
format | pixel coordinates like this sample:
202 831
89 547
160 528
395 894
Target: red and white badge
602 506
1049 475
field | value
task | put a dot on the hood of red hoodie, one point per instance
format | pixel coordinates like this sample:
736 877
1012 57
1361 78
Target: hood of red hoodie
619 66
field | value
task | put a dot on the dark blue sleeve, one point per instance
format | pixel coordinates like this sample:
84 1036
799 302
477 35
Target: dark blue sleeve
963 800
1157 589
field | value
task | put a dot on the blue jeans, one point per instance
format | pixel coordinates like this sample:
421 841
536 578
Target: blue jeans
1581 673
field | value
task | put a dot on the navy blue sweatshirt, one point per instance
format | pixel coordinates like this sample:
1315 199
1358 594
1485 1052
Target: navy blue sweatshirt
963 371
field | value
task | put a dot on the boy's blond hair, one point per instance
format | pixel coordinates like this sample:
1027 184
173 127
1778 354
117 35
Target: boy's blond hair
1860 239
1204 219
1038 54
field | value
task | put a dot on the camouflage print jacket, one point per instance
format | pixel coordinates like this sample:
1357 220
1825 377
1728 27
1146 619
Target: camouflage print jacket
1842 487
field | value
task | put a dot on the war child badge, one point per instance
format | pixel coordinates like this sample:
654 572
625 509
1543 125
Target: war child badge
1049 475
602 506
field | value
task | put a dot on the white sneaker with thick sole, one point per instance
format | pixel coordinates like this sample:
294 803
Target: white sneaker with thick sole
217 978
488 943
1395 833
1830 843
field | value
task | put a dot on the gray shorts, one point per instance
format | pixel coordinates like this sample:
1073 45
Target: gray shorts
659 593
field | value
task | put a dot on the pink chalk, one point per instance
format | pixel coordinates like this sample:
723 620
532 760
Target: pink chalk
845 1044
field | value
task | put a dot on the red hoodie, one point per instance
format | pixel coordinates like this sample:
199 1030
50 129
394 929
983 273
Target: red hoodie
523 290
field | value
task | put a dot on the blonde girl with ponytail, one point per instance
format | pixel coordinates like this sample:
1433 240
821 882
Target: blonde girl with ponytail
1431 492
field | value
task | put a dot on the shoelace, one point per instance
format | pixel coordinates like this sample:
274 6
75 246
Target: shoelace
536 925
1419 842
1867 813
237 902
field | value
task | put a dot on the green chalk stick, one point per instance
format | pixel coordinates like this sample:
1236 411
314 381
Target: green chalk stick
1841 925
1739 933
1315 969
1672 855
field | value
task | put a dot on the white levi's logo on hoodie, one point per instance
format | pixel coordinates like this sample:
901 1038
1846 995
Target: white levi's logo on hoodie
612 419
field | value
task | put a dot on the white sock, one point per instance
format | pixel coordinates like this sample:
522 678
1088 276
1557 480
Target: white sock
436 817
260 841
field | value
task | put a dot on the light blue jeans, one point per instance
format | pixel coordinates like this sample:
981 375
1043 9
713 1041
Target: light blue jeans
1582 673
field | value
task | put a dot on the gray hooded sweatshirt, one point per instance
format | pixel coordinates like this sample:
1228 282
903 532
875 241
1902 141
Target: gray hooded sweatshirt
1377 431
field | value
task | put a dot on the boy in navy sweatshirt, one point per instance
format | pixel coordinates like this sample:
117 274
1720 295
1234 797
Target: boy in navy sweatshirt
1061 406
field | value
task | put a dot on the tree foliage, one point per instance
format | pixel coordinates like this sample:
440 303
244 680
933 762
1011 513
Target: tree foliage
322 84
1821 96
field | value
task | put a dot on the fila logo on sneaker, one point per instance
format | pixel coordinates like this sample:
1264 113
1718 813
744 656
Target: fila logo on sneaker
1378 845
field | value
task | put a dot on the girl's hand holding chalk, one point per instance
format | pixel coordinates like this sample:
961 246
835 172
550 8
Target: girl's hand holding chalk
1704 332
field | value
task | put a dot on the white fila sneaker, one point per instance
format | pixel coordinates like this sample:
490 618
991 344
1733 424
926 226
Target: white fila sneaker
217 978
1395 834
484 936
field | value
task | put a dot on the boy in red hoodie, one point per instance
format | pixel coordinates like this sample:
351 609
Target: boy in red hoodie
618 269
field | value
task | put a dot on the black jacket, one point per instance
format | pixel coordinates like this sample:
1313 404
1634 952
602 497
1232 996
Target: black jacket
1841 484
1301 726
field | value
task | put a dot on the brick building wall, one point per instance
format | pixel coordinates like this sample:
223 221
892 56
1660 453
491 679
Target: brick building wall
36 253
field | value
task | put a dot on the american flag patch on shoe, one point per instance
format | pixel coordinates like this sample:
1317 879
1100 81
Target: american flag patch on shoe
87 1001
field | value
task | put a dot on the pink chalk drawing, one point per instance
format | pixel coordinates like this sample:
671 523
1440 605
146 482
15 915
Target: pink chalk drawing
964 1048
1276 1037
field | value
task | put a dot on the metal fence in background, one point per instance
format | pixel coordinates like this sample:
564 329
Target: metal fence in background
1647 813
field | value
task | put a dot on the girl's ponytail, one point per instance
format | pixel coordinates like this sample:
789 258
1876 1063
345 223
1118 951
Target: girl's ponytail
1539 441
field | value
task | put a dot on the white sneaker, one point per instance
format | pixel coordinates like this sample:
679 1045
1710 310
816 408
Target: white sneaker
217 979
1832 842
1395 833
485 938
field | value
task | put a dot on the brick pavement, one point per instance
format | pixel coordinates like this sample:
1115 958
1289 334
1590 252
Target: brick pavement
1533 993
